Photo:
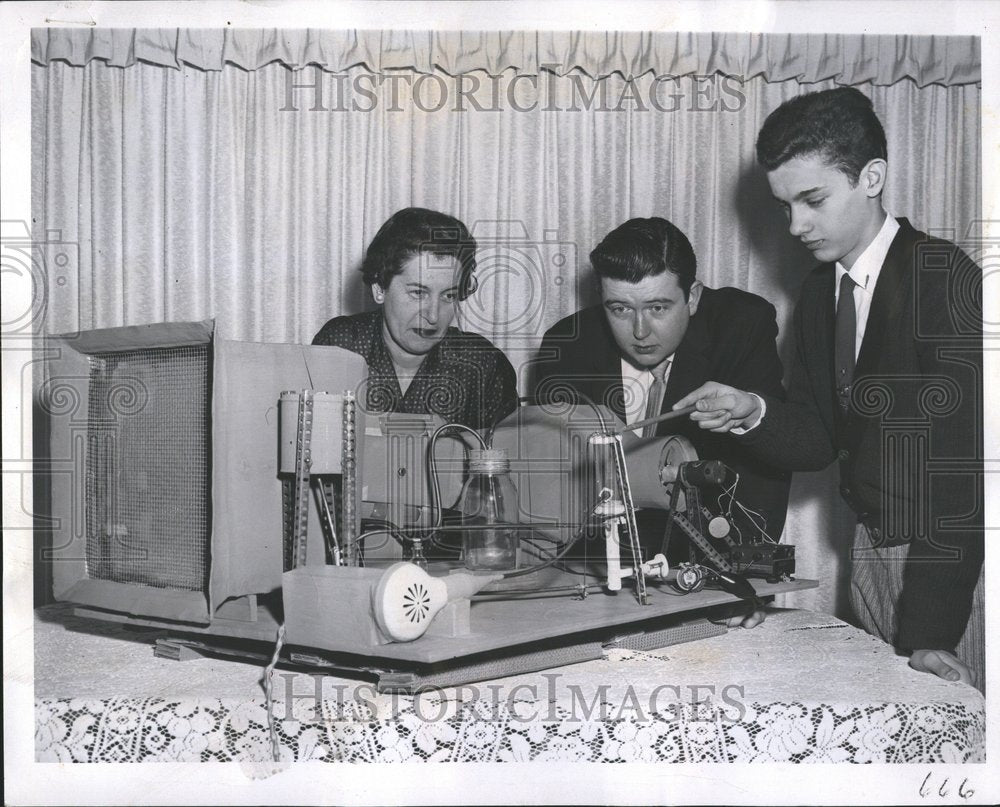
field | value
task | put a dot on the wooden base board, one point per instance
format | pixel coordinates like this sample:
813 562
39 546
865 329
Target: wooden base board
505 625
505 622
410 679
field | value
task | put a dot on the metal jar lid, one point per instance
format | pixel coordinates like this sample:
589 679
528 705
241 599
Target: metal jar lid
488 461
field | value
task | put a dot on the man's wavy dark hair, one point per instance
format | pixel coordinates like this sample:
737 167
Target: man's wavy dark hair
415 230
840 125
642 248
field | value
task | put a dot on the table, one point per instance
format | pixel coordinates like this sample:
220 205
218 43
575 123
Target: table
802 687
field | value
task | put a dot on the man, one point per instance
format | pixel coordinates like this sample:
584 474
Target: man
886 379
657 334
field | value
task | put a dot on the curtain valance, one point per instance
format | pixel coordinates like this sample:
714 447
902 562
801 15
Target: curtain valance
808 58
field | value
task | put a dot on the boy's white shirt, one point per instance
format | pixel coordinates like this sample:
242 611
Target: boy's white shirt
865 274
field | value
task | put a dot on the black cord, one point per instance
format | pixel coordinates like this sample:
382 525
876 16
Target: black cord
534 399
388 528
562 552
432 468
541 592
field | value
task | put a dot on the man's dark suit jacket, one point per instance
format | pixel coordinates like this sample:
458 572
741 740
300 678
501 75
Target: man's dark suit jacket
916 395
730 339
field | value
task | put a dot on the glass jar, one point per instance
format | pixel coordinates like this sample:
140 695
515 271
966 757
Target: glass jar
489 508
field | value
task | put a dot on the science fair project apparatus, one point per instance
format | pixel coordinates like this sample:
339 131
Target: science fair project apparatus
239 495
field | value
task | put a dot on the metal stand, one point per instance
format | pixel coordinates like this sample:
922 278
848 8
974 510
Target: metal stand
325 473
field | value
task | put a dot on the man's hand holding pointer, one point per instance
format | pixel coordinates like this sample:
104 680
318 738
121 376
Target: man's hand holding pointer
720 408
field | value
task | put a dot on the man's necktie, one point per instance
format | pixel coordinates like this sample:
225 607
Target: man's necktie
654 398
845 339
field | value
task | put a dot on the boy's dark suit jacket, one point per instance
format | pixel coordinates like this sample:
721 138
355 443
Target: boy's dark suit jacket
730 339
916 396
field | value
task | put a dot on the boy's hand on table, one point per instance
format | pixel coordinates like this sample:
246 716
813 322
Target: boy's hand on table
752 620
942 664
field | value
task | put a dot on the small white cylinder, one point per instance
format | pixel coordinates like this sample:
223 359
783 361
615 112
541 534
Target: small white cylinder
611 549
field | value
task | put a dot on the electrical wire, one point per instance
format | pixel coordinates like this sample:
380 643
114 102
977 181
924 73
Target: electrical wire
272 726
727 509
484 444
591 511
402 536
731 491
584 398
500 593
758 520
432 468
387 528
761 526
537 551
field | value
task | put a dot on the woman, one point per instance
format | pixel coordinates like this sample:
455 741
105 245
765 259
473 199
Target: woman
420 264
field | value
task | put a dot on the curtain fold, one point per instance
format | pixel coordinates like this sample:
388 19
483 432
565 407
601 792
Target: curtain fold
249 195
807 58
198 193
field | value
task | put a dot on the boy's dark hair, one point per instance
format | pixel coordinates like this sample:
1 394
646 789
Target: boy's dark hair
839 124
642 248
415 230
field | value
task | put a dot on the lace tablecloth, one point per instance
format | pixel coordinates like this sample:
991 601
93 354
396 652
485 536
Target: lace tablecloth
803 687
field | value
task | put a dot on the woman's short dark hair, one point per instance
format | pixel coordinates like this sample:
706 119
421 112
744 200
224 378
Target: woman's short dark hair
415 230
642 248
839 124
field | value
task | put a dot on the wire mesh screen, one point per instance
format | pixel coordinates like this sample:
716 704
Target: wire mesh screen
148 471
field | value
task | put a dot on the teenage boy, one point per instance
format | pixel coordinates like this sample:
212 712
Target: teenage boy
886 380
